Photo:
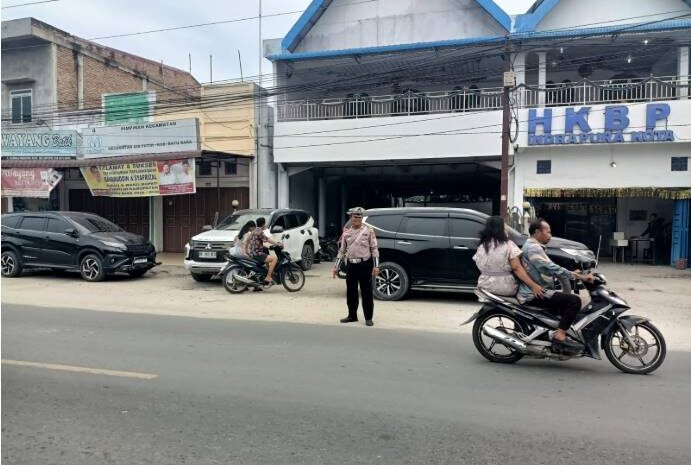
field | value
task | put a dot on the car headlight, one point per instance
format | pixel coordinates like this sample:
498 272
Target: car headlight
114 245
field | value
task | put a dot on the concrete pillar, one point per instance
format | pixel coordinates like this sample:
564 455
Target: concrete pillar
253 182
283 187
541 77
683 71
322 206
344 203
156 222
80 81
518 62
10 204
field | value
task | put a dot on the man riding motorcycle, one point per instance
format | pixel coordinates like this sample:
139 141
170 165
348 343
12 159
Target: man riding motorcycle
543 271
255 249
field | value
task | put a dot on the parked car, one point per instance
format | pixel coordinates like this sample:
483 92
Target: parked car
433 248
72 241
294 228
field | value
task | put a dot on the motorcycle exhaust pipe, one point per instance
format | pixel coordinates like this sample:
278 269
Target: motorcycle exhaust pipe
505 339
245 280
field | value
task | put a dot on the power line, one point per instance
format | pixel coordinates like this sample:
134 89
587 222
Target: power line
30 3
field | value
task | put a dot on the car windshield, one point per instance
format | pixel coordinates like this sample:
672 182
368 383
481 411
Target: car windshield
94 223
238 220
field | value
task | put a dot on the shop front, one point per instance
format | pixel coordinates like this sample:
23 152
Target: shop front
613 177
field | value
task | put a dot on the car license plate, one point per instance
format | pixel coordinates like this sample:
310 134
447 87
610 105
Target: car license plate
139 260
207 254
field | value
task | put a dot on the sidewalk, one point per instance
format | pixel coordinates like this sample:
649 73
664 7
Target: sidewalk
661 293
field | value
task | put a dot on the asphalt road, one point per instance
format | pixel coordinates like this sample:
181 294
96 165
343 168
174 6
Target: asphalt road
203 391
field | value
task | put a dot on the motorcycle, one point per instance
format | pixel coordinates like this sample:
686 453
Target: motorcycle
242 273
505 331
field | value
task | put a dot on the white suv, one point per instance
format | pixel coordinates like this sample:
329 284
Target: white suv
294 228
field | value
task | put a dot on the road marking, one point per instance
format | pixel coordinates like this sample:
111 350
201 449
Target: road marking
75 369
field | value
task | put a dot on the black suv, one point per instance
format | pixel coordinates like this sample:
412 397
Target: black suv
72 241
433 248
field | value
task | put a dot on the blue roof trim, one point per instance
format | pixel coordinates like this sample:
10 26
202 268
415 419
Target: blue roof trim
529 21
667 25
287 56
497 13
304 23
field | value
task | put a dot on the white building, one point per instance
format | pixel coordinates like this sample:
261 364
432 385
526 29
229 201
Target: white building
391 103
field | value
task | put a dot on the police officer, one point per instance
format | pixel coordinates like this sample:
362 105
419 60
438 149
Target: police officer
359 250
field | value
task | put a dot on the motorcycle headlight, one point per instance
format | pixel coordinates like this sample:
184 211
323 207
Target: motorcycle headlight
114 245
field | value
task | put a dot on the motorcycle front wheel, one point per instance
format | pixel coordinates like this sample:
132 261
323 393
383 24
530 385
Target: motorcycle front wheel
293 278
491 349
229 282
640 351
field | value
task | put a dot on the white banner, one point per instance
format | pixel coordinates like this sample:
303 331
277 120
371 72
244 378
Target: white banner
137 139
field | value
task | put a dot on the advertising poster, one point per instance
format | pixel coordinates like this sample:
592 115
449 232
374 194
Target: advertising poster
29 182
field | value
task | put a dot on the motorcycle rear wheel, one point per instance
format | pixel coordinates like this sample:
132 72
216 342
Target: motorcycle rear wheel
646 338
293 278
230 284
486 345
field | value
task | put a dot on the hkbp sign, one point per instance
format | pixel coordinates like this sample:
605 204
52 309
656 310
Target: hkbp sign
611 125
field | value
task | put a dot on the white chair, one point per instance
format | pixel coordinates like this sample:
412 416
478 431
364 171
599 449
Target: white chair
618 243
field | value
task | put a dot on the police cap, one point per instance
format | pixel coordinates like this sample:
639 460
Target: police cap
356 211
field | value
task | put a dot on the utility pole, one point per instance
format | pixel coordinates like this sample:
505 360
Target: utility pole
509 82
259 116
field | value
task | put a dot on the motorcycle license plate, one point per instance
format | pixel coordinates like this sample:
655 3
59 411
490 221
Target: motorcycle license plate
207 254
139 260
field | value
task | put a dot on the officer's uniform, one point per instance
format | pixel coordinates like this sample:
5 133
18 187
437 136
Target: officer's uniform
359 250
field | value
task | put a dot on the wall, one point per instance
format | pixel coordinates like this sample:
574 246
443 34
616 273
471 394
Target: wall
349 24
570 13
303 192
35 63
663 208
389 138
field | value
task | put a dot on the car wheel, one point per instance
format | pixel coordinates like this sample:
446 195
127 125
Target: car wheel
392 282
91 268
201 278
307 257
11 266
137 273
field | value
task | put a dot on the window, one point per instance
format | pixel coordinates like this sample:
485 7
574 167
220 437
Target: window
544 166
11 221
461 227
57 226
20 105
33 223
425 226
385 222
93 223
205 168
231 168
680 163
302 218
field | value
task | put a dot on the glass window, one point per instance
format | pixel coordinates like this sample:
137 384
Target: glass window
385 222
56 225
93 223
544 166
21 106
11 221
33 223
291 221
680 163
461 227
205 168
236 221
302 218
231 167
425 226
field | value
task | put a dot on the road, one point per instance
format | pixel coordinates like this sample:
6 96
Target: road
207 391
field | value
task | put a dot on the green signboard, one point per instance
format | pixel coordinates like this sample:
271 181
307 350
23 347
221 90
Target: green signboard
128 108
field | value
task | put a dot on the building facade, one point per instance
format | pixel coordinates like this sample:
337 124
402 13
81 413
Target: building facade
399 103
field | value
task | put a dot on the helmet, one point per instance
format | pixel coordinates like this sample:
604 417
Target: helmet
357 211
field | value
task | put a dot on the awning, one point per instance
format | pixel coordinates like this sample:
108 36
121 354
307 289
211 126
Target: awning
666 193
85 162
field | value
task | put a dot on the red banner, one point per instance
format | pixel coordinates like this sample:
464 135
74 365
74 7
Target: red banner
29 182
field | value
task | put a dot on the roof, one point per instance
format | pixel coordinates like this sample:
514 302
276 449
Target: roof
317 8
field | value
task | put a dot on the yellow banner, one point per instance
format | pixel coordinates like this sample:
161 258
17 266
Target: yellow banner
142 179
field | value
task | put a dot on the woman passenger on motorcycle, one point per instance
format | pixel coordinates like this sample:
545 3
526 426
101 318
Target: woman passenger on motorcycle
241 239
498 260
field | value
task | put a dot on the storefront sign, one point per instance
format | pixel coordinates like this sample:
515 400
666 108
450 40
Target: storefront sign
33 182
136 139
142 179
128 108
617 127
36 143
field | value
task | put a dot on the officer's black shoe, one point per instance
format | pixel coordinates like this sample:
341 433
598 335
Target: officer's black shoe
348 320
369 322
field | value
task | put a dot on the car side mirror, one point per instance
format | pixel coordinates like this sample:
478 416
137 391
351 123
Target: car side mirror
72 232
276 229
207 227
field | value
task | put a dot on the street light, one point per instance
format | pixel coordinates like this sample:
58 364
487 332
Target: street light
235 205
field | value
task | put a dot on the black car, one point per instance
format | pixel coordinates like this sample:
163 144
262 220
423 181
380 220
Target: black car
433 248
72 241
